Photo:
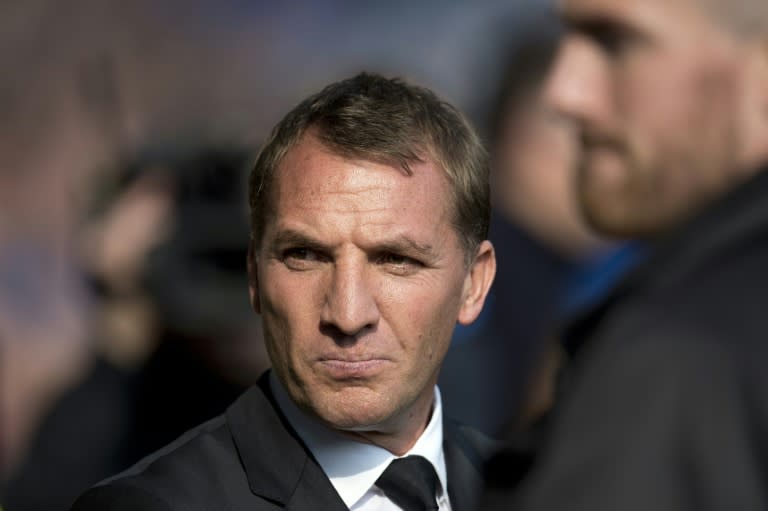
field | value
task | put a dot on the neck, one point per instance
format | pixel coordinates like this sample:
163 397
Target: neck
398 438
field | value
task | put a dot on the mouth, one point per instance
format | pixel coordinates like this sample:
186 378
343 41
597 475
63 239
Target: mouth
346 369
602 147
592 140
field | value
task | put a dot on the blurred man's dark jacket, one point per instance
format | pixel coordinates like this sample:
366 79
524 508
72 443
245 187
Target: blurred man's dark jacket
486 373
664 405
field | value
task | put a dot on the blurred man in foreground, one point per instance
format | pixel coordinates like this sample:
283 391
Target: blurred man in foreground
497 375
665 403
370 212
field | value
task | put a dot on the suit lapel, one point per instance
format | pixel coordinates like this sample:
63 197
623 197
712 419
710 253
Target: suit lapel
315 491
277 464
465 455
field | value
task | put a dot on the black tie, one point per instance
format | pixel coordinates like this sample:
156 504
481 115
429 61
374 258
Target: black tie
411 483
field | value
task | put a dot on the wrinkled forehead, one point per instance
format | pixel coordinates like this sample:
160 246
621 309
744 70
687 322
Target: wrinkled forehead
577 11
742 16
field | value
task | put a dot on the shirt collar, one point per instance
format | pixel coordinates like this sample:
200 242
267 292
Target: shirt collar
353 467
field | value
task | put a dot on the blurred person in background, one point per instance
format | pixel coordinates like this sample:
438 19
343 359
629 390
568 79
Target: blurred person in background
664 402
175 342
551 263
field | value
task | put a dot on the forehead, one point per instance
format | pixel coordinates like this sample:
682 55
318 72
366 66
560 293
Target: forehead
649 14
312 178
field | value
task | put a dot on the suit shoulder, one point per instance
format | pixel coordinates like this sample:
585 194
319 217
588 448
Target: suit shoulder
120 495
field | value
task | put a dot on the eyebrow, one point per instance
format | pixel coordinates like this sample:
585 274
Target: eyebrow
404 244
600 25
294 237
398 244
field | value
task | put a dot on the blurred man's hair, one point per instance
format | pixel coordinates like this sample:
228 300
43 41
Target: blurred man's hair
196 275
386 121
525 62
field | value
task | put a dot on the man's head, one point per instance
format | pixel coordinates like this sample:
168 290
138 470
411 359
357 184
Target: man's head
672 100
368 246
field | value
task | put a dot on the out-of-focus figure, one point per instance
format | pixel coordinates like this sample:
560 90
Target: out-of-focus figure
550 261
165 249
664 402
535 151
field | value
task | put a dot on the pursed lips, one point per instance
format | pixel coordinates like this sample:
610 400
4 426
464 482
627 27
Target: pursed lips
345 366
594 140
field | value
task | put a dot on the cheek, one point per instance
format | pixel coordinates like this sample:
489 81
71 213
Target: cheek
287 308
422 316
680 132
682 99
715 99
653 107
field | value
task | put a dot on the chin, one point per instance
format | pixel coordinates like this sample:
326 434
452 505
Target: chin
352 409
621 224
608 221
355 419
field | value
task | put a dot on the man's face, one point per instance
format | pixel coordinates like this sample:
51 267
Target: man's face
662 95
360 278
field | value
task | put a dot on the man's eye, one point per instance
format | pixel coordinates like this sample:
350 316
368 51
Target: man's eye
392 259
614 40
303 254
301 257
398 261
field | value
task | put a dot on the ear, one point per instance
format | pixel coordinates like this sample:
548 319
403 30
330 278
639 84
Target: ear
253 278
477 283
760 70
755 104
764 74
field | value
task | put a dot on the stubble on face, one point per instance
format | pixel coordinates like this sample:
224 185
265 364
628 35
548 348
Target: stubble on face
645 183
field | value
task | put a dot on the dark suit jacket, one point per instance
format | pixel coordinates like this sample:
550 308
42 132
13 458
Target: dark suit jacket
250 459
664 405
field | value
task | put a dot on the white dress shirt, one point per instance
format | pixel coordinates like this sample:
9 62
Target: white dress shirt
353 467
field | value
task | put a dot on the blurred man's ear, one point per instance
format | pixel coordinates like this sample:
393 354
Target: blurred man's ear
759 64
477 283
764 52
253 278
757 107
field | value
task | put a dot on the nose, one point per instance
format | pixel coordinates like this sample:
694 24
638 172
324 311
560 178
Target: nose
578 84
350 307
